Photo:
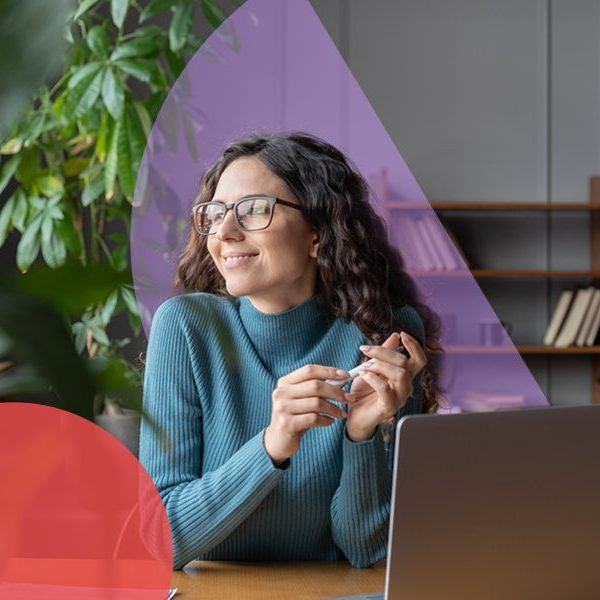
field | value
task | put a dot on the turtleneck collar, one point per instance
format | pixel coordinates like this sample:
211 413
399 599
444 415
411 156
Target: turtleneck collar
287 336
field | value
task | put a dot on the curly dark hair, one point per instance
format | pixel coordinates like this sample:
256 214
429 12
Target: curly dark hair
360 275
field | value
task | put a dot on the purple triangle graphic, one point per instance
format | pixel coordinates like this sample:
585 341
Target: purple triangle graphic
270 67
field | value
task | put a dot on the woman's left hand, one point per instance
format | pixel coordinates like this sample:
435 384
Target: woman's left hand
385 387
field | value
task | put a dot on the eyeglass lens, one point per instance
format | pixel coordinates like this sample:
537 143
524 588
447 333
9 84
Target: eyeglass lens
252 214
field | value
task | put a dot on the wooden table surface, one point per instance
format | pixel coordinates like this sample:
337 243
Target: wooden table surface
216 580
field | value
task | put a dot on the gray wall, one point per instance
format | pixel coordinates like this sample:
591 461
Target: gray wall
492 100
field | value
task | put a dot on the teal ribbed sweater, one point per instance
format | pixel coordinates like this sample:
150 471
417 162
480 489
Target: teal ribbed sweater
224 497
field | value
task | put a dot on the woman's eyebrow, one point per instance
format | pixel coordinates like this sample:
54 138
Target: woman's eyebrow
243 197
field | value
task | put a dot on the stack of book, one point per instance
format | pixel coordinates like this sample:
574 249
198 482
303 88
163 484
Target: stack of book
472 401
576 319
426 245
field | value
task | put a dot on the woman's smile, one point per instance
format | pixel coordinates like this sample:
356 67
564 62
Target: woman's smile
238 261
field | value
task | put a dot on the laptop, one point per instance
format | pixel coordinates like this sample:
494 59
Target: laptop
496 505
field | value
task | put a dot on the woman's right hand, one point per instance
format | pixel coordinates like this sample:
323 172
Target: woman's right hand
296 403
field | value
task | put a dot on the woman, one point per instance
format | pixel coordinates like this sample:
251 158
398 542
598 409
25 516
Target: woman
272 462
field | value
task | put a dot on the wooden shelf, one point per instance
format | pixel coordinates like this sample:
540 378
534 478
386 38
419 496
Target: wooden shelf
509 274
492 206
514 210
523 349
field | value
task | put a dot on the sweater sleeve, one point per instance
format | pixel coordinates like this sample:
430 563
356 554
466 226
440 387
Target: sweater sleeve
202 508
360 508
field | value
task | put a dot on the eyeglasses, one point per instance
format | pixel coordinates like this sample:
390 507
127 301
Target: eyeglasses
251 213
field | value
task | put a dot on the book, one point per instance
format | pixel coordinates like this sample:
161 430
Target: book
588 319
484 401
592 337
423 236
440 241
558 316
574 319
379 190
401 234
456 249
422 260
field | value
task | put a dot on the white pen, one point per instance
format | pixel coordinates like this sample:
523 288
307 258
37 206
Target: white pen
354 373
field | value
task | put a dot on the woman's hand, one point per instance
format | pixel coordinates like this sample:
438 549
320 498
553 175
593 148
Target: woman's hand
296 403
385 387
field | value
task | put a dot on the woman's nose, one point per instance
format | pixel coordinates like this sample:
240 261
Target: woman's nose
227 225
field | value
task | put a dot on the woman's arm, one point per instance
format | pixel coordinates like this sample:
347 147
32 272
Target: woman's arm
360 508
203 508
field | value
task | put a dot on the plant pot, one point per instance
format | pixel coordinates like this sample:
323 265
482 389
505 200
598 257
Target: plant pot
126 428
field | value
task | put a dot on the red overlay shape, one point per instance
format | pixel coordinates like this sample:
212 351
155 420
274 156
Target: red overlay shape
79 516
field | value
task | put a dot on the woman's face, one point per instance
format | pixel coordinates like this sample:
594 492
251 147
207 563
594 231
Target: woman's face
283 272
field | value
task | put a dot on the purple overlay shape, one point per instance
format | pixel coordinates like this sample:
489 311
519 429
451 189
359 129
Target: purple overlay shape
272 67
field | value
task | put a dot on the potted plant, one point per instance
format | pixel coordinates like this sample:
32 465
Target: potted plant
68 168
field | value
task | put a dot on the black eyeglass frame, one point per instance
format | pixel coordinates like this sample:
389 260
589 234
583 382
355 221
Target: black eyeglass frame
232 205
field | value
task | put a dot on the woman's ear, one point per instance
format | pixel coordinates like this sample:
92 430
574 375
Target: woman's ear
314 249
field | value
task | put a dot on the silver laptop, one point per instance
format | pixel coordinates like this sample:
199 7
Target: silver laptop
498 505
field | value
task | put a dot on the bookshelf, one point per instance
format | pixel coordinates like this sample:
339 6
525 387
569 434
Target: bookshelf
391 207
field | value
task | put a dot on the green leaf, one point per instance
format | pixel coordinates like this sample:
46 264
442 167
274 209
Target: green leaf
175 61
60 248
47 229
43 344
102 139
33 130
139 46
72 167
12 146
82 72
68 234
80 333
29 167
68 35
144 118
83 96
213 12
109 308
113 95
20 211
37 204
49 185
112 155
29 244
120 258
83 8
155 7
72 287
92 190
130 301
98 333
181 25
118 10
6 217
130 149
8 170
59 105
53 249
140 68
98 41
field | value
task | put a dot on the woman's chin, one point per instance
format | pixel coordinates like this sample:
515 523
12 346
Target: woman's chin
237 288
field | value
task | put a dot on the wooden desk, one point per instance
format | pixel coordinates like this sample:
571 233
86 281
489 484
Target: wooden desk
216 580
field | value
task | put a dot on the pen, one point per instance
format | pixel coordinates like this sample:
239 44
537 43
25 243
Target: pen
356 371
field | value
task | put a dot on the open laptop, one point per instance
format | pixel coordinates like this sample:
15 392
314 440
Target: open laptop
497 505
